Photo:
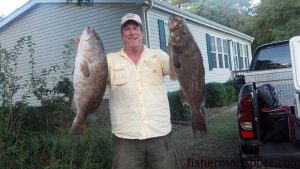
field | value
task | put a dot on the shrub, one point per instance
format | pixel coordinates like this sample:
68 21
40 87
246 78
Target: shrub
28 139
231 94
57 150
215 95
179 111
233 90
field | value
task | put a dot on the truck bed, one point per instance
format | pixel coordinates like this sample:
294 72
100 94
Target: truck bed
285 155
279 150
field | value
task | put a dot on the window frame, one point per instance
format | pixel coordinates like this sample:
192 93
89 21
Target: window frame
240 55
218 54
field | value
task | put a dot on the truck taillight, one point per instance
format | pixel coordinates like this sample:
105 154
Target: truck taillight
245 117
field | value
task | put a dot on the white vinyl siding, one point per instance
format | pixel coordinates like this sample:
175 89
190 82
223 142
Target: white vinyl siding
53 25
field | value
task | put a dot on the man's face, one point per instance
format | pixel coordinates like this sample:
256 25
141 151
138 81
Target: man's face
132 35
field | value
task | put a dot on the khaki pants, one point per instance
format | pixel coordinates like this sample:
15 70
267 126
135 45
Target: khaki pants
153 153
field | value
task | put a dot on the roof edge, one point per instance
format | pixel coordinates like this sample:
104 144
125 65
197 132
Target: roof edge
32 3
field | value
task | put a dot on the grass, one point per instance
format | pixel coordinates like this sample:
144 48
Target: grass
59 150
221 140
222 126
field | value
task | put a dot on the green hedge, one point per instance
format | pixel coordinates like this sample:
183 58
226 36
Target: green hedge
179 111
221 94
217 95
235 89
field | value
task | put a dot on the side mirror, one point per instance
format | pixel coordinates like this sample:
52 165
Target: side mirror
295 57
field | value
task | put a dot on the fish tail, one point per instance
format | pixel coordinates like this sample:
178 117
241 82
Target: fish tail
198 121
78 126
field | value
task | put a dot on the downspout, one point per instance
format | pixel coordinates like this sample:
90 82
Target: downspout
145 15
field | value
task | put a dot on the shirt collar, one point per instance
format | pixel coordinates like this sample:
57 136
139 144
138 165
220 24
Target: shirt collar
123 54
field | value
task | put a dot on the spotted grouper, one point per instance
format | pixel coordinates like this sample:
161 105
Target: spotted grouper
90 77
187 63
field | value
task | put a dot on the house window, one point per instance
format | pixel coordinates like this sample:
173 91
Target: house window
241 56
218 52
213 52
225 53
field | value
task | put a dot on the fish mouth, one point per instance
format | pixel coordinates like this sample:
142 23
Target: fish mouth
88 32
174 22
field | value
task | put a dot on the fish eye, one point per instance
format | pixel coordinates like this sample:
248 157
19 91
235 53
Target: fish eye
177 65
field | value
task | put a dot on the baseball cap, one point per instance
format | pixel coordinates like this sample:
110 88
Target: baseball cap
132 17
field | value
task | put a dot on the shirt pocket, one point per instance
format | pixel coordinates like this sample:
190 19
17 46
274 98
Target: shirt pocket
152 72
119 75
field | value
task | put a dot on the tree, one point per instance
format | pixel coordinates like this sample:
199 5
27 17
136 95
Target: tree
183 4
81 2
231 13
275 20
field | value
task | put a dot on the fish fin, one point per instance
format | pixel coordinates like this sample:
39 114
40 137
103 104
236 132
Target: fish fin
73 70
84 67
198 121
73 107
78 126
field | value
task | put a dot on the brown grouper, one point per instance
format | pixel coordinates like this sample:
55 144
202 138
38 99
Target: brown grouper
187 63
90 77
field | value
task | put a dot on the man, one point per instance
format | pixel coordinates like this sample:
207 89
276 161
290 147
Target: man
139 108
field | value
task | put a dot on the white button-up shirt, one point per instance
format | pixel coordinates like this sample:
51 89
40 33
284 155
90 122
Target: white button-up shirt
139 106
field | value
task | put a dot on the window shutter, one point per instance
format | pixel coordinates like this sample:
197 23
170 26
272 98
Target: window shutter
247 56
229 54
208 44
162 35
239 56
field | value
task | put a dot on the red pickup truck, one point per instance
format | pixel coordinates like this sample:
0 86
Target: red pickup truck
268 118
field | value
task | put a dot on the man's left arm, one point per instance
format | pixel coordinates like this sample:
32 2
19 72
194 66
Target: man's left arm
166 63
